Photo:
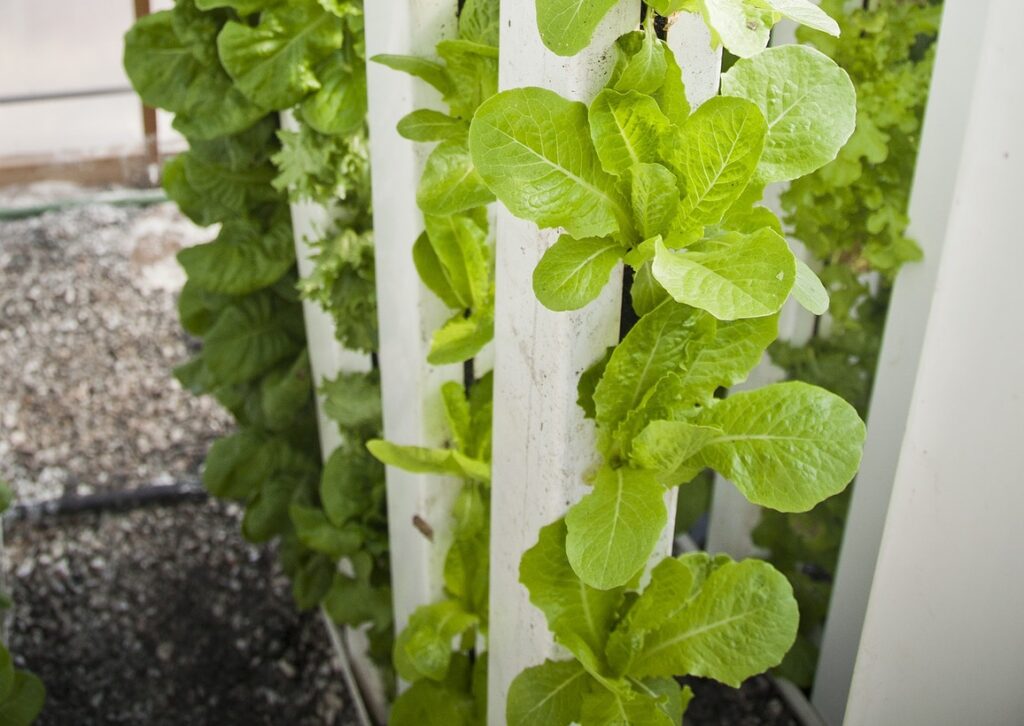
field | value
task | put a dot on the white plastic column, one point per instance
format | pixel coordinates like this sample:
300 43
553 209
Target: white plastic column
327 358
543 445
942 642
408 313
949 131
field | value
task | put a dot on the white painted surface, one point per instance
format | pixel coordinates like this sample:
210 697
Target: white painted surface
937 190
543 445
408 312
942 641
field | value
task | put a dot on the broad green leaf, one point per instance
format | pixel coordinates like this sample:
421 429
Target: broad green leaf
266 514
473 69
450 183
548 694
654 347
345 489
808 290
735 276
354 601
479 22
273 62
743 27
602 707
312 581
567 26
741 623
421 460
613 530
627 129
460 246
461 338
457 414
339 107
716 153
787 446
25 701
427 703
806 13
670 94
646 293
665 8
285 391
315 531
426 70
654 197
428 125
244 257
573 272
236 465
588 383
670 589
166 73
726 359
645 71
424 648
533 149
664 446
579 616
433 273
244 7
251 337
352 400
810 116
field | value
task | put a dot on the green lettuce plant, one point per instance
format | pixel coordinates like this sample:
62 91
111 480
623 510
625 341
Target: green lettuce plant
639 177
225 68
453 256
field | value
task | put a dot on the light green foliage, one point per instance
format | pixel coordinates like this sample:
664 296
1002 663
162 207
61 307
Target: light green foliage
742 26
453 256
573 272
433 650
674 193
566 26
810 116
343 283
713 617
241 295
532 149
852 215
613 530
21 693
787 446
732 277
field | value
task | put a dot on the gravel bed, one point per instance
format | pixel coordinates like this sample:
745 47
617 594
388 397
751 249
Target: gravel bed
154 616
88 338
166 616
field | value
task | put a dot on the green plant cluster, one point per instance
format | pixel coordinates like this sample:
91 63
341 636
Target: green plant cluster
226 68
852 215
453 255
640 177
442 651
22 694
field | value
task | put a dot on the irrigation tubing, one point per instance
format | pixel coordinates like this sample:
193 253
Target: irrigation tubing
180 492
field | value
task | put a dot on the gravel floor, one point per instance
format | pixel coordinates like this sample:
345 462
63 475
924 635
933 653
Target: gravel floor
88 337
157 616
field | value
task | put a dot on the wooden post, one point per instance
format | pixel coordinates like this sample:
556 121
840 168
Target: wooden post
149 129
418 504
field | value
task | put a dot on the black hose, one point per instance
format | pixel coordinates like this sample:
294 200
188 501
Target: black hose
180 492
